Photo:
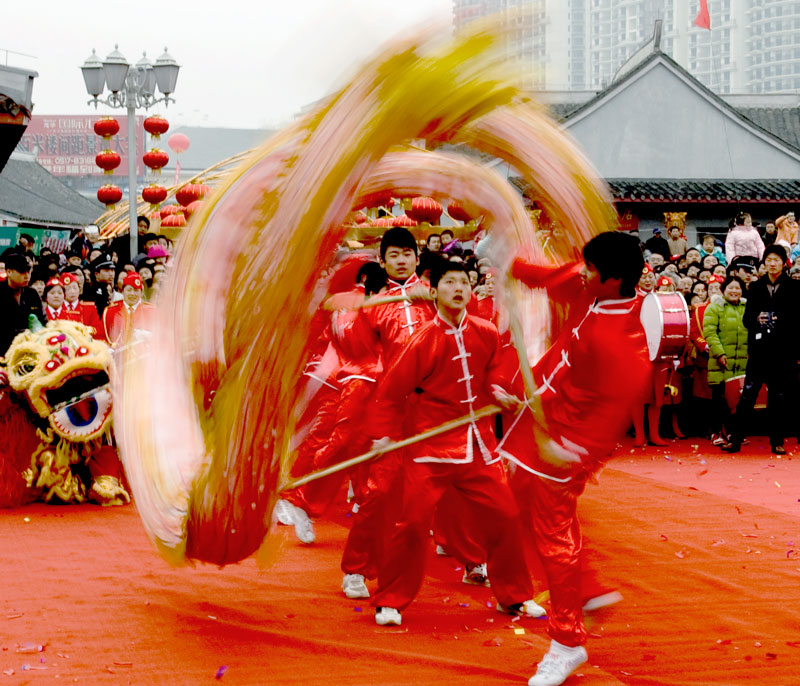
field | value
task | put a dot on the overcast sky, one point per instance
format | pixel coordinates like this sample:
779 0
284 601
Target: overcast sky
244 63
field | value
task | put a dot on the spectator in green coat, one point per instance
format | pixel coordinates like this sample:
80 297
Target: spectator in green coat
726 336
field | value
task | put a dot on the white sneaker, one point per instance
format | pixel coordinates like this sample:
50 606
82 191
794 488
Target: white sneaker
527 609
386 616
476 576
303 526
283 512
354 587
603 600
557 664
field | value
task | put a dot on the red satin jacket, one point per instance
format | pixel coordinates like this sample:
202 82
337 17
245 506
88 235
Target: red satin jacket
588 381
443 373
389 326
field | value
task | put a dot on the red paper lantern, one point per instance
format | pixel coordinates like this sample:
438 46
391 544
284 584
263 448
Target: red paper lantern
383 222
379 199
173 221
156 125
108 161
425 210
109 195
191 192
155 158
168 210
106 127
403 220
192 207
456 211
154 194
360 218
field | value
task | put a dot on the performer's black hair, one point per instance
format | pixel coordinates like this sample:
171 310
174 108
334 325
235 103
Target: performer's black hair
616 255
442 266
372 275
397 237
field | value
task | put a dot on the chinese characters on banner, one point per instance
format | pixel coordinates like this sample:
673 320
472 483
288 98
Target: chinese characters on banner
66 145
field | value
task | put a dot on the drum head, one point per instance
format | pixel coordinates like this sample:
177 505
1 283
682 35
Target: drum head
653 324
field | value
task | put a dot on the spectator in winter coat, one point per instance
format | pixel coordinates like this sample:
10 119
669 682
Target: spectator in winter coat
771 317
787 228
658 244
770 233
709 246
726 336
743 239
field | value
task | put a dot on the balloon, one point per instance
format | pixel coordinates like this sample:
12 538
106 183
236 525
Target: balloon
179 142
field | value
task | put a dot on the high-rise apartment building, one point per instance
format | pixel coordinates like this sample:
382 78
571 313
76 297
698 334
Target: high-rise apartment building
753 45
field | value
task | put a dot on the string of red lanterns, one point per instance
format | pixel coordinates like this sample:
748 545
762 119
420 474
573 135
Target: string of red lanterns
108 160
155 159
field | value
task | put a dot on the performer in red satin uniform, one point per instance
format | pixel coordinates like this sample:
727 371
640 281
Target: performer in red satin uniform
387 328
448 368
323 391
588 383
341 416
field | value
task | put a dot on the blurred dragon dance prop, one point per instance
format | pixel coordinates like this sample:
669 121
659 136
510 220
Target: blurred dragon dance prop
205 453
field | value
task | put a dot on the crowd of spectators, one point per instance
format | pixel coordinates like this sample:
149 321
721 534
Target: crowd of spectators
79 284
743 297
744 306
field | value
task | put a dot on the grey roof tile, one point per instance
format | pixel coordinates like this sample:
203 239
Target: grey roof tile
29 192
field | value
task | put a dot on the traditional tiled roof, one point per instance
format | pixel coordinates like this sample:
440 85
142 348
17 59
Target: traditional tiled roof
30 193
783 122
696 190
704 190
561 110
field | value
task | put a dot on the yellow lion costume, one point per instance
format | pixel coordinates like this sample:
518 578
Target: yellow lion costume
55 410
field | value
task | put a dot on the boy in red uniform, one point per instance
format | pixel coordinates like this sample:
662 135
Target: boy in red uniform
387 328
450 368
588 383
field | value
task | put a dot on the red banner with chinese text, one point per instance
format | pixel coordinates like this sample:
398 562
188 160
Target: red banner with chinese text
66 144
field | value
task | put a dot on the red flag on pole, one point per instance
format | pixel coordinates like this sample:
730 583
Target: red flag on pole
703 20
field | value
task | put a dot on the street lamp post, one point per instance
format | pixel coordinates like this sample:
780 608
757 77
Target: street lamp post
129 88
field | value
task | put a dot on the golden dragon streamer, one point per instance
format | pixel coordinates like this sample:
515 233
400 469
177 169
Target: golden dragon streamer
204 454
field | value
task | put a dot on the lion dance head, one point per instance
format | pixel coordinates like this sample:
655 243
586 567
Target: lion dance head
58 390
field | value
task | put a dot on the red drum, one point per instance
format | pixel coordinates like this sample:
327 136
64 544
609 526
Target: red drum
733 391
665 318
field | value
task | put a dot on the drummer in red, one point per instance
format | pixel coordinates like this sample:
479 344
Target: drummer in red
587 383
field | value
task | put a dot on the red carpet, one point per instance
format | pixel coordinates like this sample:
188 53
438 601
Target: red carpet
707 555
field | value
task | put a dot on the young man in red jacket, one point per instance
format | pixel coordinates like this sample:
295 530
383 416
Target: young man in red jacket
451 369
587 383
